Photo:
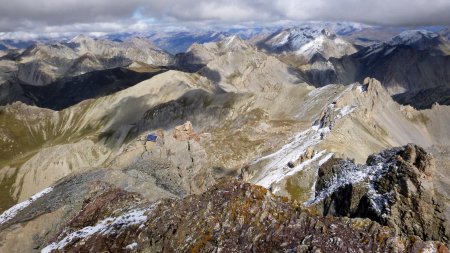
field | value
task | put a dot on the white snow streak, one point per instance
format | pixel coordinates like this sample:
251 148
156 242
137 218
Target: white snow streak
351 174
325 159
276 169
131 246
106 226
275 166
13 211
312 47
231 40
347 110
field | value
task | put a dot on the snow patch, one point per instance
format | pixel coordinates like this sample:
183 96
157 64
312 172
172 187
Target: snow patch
374 50
284 39
131 246
360 89
13 211
346 110
340 42
230 40
302 35
412 36
325 158
319 91
276 168
389 51
312 47
351 174
107 226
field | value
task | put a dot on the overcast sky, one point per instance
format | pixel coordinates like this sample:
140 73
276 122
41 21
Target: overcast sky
55 17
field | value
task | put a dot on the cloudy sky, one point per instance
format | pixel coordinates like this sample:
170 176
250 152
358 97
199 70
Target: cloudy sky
56 17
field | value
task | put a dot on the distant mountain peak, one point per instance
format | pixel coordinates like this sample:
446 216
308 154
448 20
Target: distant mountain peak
234 42
329 34
420 39
139 41
297 37
81 38
300 36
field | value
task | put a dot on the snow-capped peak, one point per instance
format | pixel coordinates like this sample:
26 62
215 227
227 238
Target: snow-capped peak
302 35
414 38
327 44
296 37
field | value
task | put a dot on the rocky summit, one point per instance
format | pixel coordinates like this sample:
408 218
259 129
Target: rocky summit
392 188
231 216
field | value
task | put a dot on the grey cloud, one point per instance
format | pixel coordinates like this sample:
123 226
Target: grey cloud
27 15
30 13
384 12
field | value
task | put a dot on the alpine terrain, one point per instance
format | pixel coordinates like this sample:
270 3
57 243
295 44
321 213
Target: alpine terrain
312 137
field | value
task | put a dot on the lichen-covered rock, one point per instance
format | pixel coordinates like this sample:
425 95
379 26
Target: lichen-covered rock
393 188
230 217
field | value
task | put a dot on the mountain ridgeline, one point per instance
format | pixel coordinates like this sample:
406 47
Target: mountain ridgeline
325 137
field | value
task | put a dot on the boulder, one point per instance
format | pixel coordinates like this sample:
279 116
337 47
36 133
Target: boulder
394 188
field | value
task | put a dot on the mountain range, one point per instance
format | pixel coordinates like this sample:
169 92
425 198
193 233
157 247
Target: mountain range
316 138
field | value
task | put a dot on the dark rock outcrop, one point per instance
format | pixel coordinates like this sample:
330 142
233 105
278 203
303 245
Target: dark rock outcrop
424 99
410 72
230 217
393 188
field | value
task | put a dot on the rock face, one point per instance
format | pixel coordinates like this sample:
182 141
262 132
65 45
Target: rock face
231 216
251 112
426 98
418 39
393 188
185 132
306 41
326 45
42 64
71 90
319 71
409 64
310 49
234 65
70 72
309 154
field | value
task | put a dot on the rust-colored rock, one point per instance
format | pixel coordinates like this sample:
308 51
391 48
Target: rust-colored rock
185 132
231 216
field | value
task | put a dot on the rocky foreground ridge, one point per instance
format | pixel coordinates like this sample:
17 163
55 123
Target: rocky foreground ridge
233 216
387 205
